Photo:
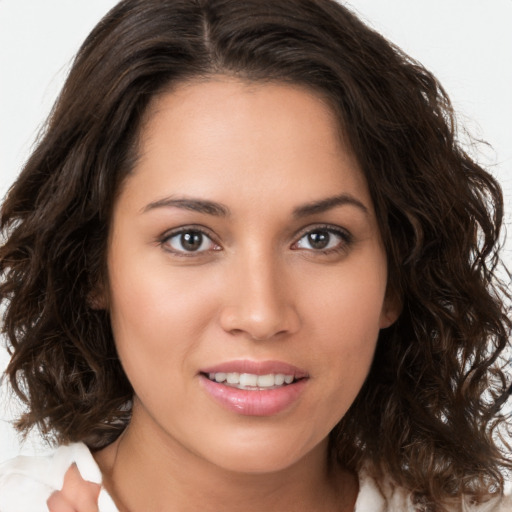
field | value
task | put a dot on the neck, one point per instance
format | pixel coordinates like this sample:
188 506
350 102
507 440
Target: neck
147 470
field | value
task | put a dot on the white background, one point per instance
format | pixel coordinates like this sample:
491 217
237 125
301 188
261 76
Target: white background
466 43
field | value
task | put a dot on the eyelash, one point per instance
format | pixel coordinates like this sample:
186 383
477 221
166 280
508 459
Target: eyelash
168 236
345 237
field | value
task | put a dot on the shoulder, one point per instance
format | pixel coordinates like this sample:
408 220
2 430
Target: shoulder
27 482
383 495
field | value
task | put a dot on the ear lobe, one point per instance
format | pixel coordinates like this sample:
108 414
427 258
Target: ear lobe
97 298
391 310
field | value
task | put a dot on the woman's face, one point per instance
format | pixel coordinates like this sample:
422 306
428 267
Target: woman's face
244 254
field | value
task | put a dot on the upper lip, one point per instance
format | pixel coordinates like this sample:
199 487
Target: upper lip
256 368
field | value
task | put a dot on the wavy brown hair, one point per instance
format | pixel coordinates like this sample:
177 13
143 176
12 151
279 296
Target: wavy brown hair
429 413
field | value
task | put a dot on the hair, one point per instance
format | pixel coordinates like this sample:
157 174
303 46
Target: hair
430 412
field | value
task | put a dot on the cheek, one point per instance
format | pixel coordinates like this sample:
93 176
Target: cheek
157 317
344 313
155 298
346 337
345 348
347 305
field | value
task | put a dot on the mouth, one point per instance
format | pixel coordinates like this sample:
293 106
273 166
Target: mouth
253 388
252 381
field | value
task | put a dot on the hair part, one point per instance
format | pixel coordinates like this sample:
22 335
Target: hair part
429 411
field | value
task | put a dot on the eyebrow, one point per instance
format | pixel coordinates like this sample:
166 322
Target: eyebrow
195 205
219 210
328 203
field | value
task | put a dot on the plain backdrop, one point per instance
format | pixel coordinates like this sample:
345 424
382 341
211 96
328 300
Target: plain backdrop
466 43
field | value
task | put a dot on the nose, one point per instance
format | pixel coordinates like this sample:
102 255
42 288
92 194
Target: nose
261 303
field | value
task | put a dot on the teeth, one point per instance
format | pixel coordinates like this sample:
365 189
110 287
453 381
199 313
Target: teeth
250 380
233 378
266 381
279 379
220 377
288 379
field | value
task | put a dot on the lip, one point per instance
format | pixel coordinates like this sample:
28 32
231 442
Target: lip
256 368
255 402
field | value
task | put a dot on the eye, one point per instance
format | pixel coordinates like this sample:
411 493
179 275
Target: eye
324 239
189 241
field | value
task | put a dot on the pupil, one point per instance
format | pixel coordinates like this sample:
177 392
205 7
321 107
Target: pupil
191 241
319 239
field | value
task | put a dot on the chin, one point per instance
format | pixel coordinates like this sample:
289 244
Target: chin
259 456
257 464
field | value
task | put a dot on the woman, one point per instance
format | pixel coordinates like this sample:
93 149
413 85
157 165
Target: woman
249 267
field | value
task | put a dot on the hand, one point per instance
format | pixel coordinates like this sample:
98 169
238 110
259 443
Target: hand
76 495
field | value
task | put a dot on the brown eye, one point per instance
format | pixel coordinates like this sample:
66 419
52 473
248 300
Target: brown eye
323 239
319 239
190 241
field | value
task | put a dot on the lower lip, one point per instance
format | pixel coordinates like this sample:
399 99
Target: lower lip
257 402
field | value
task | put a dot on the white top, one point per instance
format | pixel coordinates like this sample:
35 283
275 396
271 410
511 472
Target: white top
27 482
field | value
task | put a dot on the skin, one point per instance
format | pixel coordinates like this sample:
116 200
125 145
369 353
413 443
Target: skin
256 290
77 495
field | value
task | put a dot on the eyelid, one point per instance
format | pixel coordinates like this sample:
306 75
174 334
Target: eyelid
343 233
334 228
167 235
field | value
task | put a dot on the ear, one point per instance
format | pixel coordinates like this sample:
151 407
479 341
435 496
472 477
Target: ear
97 298
391 309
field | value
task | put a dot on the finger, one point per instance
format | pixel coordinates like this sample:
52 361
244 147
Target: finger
81 494
57 502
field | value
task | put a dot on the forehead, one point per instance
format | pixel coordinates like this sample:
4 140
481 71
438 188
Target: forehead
223 136
220 98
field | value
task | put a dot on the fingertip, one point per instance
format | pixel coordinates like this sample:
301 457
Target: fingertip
58 503
76 495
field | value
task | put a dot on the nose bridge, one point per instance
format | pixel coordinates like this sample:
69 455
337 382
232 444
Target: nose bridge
262 304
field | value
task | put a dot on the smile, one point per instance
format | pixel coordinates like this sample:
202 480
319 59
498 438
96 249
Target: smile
254 388
251 380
